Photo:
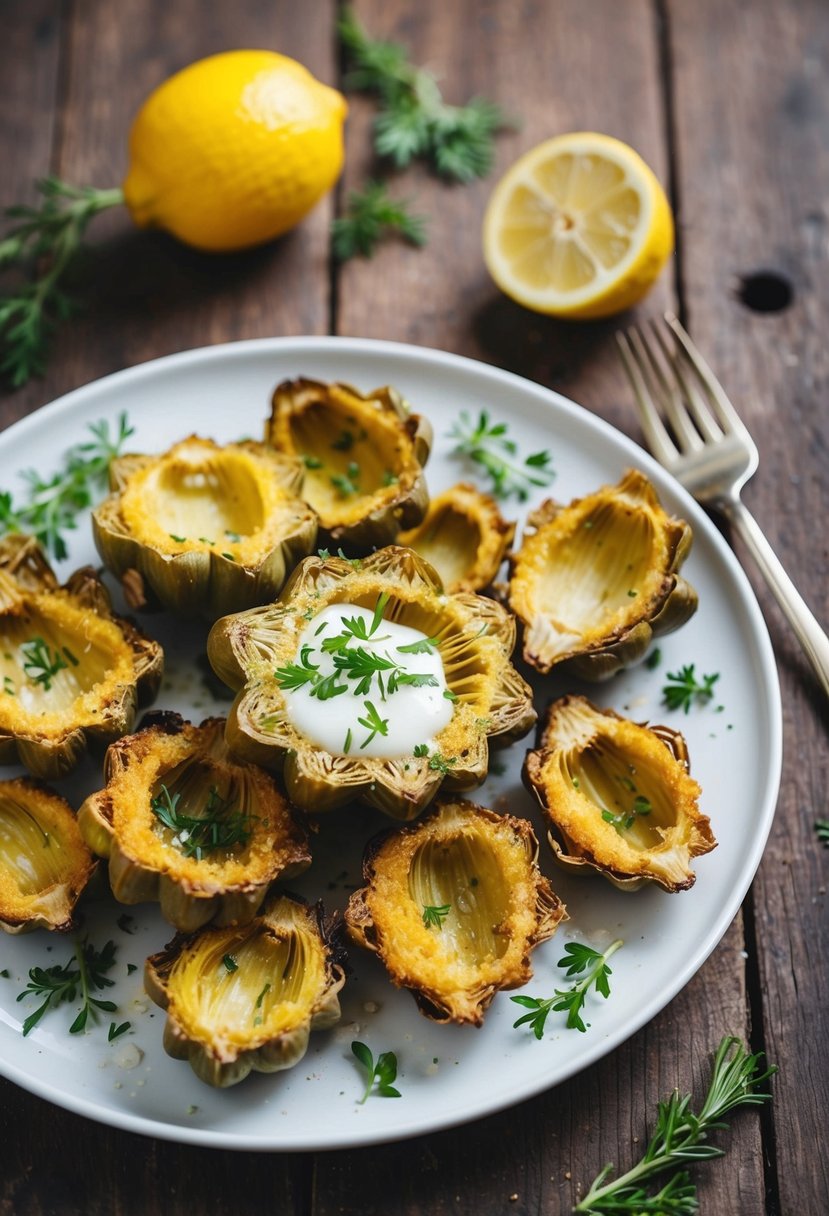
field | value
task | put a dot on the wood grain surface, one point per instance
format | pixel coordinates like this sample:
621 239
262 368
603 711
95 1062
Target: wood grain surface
729 102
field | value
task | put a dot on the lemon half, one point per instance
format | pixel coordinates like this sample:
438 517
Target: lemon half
579 227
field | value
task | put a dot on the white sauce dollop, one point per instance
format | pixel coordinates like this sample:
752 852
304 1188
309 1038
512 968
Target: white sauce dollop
412 716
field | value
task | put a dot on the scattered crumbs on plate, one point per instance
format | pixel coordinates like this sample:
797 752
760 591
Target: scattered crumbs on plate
192 1110
432 1068
129 1056
371 1006
118 1085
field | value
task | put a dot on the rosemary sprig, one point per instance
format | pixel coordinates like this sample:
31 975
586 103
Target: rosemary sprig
218 827
414 120
380 1074
44 240
681 1137
52 505
683 688
83 974
370 216
486 444
578 959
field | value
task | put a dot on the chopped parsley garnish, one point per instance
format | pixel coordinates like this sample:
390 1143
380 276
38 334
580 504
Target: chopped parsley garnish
218 827
380 1075
683 688
486 444
578 960
442 764
434 916
421 750
42 662
373 723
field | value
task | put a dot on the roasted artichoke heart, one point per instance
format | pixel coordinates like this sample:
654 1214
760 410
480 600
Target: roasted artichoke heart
247 997
44 863
72 672
184 823
453 905
618 796
204 529
362 457
594 582
272 650
464 536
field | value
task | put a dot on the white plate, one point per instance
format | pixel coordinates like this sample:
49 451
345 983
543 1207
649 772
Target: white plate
446 1074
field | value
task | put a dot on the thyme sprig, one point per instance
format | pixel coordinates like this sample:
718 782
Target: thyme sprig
44 241
217 827
434 915
683 688
578 960
42 663
486 443
414 121
380 1074
52 504
680 1137
83 974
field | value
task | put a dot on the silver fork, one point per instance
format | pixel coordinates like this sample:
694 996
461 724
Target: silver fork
710 452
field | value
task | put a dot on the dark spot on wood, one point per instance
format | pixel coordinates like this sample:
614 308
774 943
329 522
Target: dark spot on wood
765 291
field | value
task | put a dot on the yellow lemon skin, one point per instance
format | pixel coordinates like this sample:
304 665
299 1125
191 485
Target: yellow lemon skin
234 150
578 228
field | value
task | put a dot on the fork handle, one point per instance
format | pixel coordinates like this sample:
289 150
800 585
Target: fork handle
812 638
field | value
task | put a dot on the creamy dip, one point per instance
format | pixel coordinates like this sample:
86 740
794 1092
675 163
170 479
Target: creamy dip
360 685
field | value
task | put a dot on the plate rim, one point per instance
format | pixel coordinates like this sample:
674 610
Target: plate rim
767 678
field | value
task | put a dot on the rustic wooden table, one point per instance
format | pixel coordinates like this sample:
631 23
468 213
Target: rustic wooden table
728 100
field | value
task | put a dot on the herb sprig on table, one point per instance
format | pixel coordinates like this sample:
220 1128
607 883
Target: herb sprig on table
488 445
84 974
51 505
414 120
679 1138
370 215
578 960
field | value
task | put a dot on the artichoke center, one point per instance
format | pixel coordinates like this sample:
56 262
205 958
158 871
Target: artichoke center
29 855
461 881
451 545
201 812
343 459
362 685
598 570
628 794
46 667
233 986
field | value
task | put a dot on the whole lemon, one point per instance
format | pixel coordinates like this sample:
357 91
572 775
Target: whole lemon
234 150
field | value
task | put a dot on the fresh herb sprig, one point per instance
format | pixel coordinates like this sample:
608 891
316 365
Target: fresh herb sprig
681 1138
83 974
380 1074
44 240
414 121
52 504
218 827
486 443
578 960
434 915
683 688
42 663
370 216
822 831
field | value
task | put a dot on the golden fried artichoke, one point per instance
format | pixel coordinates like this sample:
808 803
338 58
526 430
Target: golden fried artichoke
453 905
44 863
618 797
363 458
72 672
204 529
594 582
247 997
184 823
261 651
464 536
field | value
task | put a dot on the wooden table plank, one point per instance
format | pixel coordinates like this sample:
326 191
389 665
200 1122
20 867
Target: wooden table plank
765 162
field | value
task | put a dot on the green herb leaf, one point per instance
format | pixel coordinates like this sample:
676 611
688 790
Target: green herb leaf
216 827
115 1032
44 240
230 963
42 663
422 646
380 1075
442 764
434 916
372 215
680 1137
486 444
414 120
83 974
421 750
684 688
578 959
822 830
52 505
373 723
